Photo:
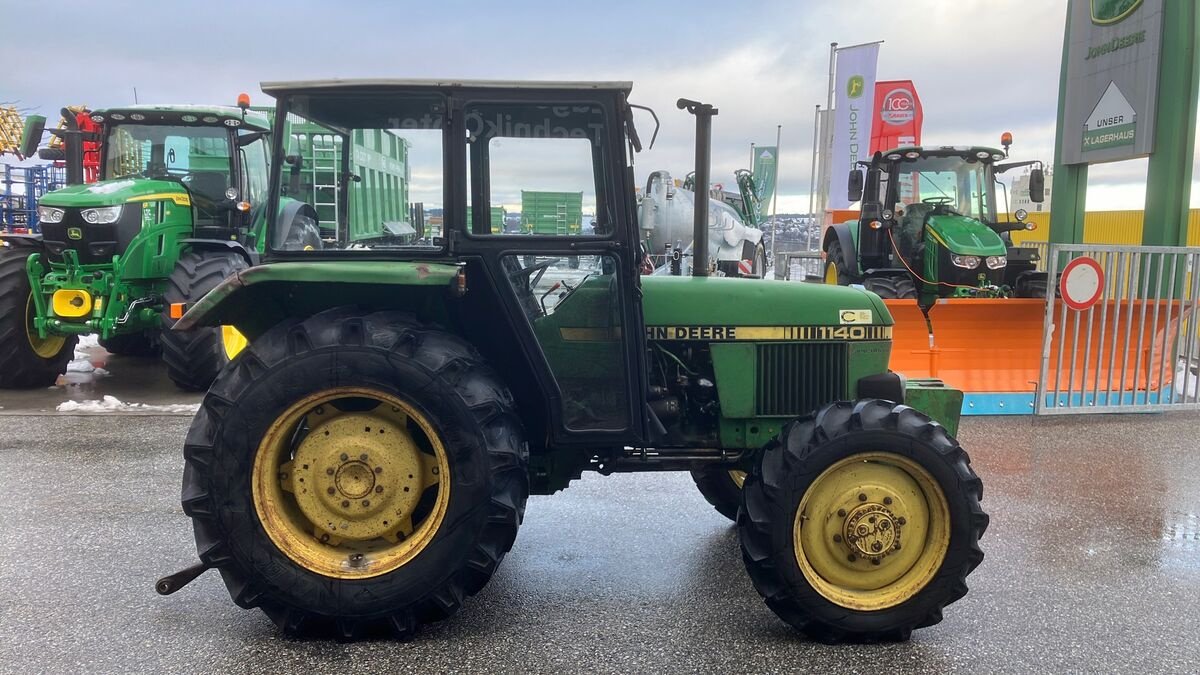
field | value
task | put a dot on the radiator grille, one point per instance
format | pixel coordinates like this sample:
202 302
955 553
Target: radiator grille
796 378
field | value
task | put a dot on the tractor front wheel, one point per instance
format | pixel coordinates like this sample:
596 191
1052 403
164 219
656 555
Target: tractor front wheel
891 288
862 522
721 487
27 361
835 265
353 474
194 357
131 344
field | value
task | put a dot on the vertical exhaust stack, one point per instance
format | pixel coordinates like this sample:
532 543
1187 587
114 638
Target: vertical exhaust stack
704 113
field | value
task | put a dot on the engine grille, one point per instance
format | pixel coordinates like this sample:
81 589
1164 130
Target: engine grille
795 378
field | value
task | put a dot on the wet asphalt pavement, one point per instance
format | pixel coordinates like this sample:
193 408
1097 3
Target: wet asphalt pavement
1093 565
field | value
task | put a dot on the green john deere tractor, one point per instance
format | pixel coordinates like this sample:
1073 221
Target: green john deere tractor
364 464
180 206
929 228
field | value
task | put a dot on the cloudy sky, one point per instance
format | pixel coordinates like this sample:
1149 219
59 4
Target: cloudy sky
981 66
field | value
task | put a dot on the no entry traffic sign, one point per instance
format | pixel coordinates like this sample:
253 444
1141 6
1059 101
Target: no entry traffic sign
1082 283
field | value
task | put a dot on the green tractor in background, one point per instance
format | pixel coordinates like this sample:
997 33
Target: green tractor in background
364 465
929 229
180 206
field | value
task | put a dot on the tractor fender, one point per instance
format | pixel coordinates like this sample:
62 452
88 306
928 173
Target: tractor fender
841 232
288 213
251 257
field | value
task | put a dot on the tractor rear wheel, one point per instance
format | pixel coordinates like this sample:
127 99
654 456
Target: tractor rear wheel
194 357
891 288
131 344
830 504
27 361
721 487
356 474
835 265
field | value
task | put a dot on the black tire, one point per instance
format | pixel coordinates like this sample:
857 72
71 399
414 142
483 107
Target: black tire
131 344
836 257
435 372
891 288
20 366
752 252
304 236
194 357
1034 285
720 489
790 465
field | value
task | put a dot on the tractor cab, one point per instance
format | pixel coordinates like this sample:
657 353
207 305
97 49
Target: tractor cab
930 226
203 168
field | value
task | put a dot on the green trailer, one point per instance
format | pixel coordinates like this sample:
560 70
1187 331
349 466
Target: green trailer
498 216
551 213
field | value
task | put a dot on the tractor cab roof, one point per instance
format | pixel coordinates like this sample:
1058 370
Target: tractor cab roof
968 151
390 84
198 115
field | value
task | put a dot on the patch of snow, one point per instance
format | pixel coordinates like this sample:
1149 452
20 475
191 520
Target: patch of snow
80 366
112 404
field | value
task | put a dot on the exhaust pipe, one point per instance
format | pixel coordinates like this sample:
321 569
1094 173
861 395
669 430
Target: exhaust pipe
704 113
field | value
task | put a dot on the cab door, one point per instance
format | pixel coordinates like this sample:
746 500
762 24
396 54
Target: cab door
547 214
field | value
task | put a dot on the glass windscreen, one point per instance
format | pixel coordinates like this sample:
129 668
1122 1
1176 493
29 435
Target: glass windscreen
956 182
368 168
168 151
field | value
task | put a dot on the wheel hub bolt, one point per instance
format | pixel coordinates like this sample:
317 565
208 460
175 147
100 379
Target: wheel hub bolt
852 557
378 489
841 513
862 497
837 538
901 520
363 457
366 502
877 547
345 503
345 457
379 469
328 472
887 501
874 561
331 490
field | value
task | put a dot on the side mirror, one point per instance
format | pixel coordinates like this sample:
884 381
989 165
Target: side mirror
1037 186
855 192
31 135
295 163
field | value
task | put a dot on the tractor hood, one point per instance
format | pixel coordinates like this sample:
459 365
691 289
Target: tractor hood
723 301
965 236
113 192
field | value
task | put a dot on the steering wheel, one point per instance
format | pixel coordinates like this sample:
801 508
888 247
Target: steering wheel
938 201
527 272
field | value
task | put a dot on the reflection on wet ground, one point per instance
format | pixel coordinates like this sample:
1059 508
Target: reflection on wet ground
1093 565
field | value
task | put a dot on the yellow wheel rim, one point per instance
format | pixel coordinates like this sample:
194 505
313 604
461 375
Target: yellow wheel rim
831 274
738 477
232 341
872 531
48 347
351 483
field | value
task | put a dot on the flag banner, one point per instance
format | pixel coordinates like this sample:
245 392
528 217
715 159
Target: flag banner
765 170
855 95
897 123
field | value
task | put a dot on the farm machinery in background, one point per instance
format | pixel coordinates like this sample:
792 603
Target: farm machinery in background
735 240
929 229
178 206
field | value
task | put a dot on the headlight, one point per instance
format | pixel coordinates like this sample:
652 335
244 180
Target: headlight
995 262
231 193
1021 215
103 215
49 214
969 262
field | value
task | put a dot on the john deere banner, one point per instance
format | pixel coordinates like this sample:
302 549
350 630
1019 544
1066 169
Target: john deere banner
1111 79
855 106
765 169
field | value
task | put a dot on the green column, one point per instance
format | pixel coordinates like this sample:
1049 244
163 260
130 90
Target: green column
1169 179
1069 192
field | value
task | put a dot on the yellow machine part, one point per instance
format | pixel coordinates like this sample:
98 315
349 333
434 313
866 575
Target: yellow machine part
70 303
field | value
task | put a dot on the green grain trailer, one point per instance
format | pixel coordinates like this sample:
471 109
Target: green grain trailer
551 213
498 216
